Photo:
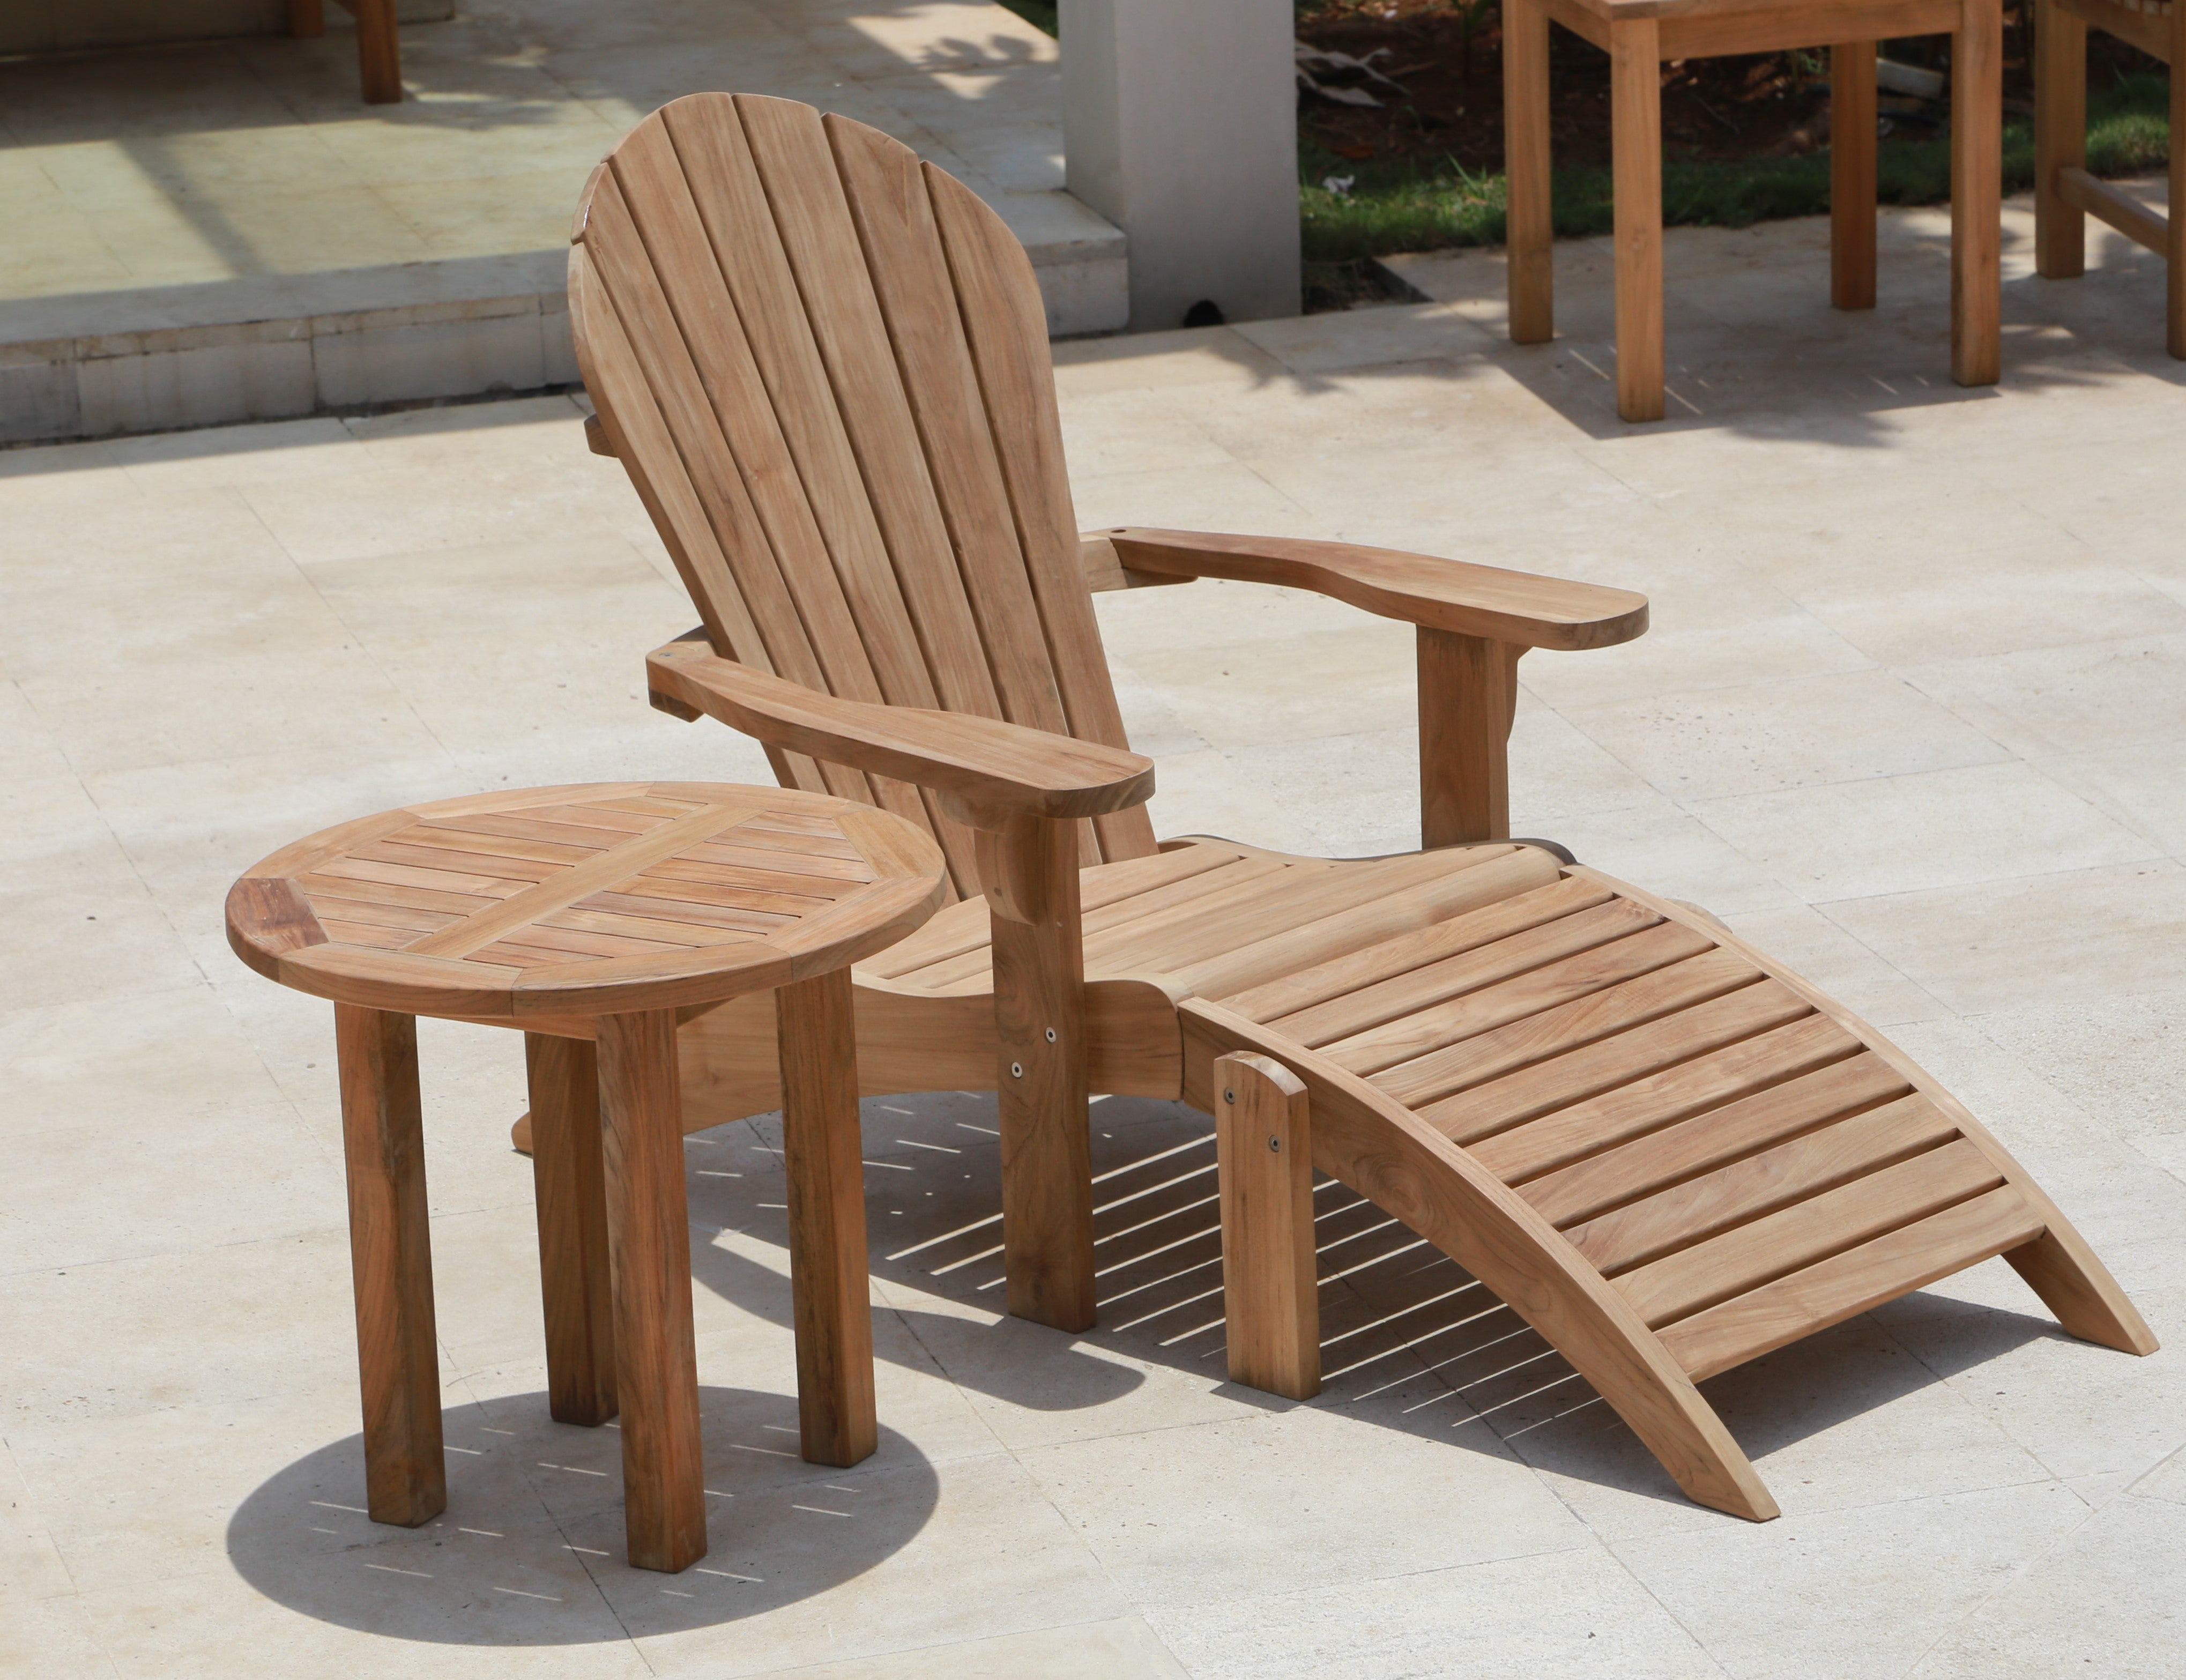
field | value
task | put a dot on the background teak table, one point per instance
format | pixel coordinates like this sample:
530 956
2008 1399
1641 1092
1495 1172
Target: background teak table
1640 36
594 918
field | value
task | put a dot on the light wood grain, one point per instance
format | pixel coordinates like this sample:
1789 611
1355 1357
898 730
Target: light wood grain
823 1161
1271 1303
1468 697
391 1265
656 1365
2085 195
1042 1075
2061 138
568 1183
378 50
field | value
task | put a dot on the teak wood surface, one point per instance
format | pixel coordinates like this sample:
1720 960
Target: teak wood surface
378 43
593 918
2064 194
1640 36
824 365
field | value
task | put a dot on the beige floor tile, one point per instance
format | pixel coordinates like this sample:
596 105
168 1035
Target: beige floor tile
2057 938
1867 1590
2094 698
1556 1614
52 1633
31 1565
2127 1558
1406 333
1807 941
1199 356
1125 1648
2144 790
1797 732
1904 833
1672 852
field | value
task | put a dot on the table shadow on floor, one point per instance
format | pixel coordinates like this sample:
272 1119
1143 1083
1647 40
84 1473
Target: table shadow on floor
530 1551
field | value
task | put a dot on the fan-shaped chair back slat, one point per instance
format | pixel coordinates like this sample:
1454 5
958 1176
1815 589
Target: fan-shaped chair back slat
825 366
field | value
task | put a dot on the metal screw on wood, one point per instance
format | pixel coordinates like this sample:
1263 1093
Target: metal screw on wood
1050 1035
1229 1096
1017 1070
1275 1145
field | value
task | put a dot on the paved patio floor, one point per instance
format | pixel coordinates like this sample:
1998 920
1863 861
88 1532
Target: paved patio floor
1913 716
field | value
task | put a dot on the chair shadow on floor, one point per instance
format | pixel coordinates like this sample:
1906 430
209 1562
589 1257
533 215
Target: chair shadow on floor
1409 1341
529 1550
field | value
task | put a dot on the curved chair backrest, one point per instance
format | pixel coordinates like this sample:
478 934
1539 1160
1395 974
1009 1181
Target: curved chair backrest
825 366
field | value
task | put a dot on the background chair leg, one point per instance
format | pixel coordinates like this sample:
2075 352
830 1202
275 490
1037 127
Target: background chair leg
1851 174
649 1238
307 17
2061 138
378 51
1031 869
391 1265
568 1181
2175 243
1977 194
1271 1300
1635 121
1529 230
822 1153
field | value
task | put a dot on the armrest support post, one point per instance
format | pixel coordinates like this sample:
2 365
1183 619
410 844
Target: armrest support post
1030 868
1468 696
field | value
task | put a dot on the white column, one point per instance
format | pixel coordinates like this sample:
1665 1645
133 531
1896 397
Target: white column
1179 121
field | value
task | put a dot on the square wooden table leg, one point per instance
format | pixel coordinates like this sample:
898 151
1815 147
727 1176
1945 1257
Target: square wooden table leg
823 1155
568 1179
2174 245
2060 139
1977 194
378 51
649 1239
1635 121
1853 137
391 1265
1529 230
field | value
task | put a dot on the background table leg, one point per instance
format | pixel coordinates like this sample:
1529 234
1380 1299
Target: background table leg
1530 233
1852 136
2061 138
1977 194
568 1179
378 51
648 1232
822 1152
1635 119
391 1265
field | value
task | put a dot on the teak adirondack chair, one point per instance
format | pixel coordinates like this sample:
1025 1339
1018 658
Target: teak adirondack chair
825 367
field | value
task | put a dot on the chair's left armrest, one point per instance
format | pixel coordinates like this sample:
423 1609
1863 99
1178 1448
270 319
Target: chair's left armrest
990 768
1518 609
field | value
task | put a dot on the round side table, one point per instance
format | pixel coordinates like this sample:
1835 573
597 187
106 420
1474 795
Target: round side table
594 919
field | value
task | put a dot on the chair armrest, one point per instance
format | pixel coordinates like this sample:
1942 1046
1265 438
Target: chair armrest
1516 607
987 764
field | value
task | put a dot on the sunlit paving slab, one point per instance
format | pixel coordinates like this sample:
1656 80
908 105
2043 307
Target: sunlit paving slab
221 231
1912 715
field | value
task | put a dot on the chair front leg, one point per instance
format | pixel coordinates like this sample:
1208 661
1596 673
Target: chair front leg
1468 696
1028 865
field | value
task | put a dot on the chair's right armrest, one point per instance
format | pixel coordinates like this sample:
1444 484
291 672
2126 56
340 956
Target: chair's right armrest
988 766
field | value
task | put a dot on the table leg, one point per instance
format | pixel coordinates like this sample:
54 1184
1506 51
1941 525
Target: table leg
822 1153
1851 174
2061 138
649 1240
307 17
391 1265
2174 244
378 51
1529 230
1977 194
568 1179
1635 121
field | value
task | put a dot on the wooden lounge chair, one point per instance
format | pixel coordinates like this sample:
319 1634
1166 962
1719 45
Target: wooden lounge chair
824 365
2064 194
